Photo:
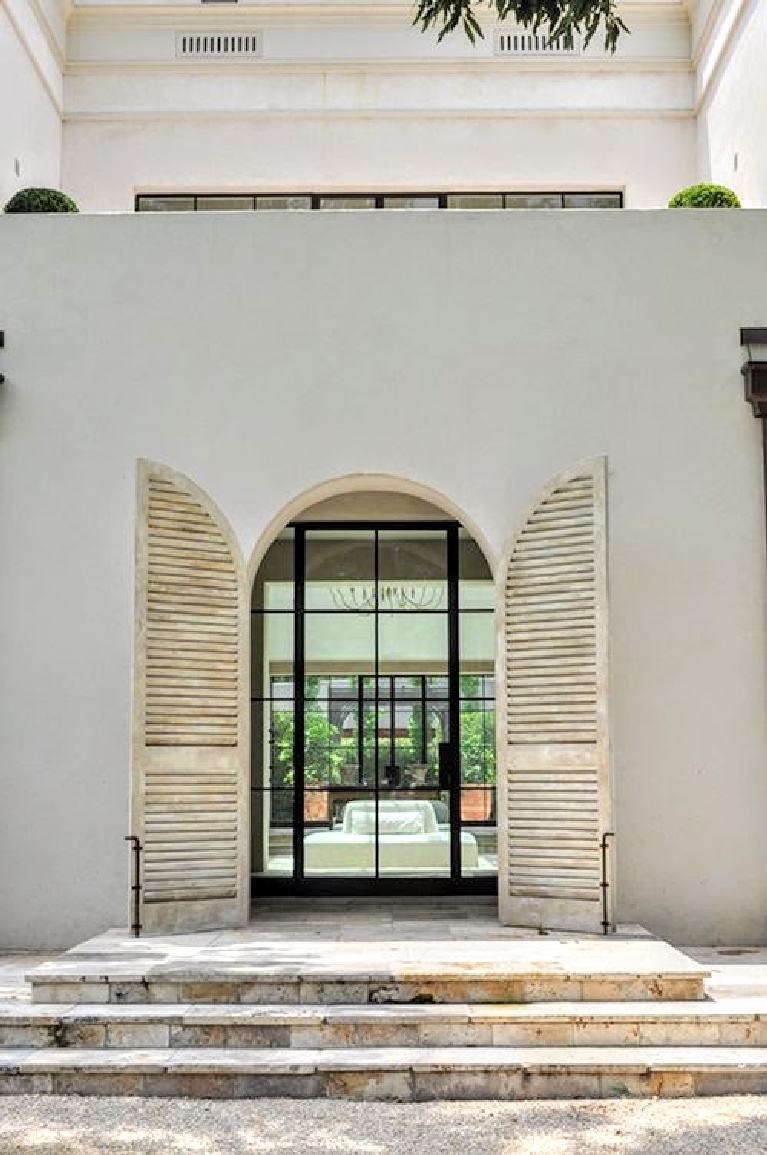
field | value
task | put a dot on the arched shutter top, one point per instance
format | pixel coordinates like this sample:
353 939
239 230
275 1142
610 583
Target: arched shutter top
551 608
192 622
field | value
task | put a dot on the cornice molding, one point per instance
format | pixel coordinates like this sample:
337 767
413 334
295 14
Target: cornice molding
275 14
303 67
27 49
313 114
381 188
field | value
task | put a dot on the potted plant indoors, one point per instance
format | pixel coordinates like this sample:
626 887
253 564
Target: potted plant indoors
478 770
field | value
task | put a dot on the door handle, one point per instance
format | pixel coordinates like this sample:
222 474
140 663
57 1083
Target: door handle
445 763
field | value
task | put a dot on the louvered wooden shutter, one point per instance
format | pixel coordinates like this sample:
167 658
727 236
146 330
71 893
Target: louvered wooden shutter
554 793
190 709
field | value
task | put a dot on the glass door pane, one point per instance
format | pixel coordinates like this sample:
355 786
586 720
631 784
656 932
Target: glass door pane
413 811
340 570
414 828
476 696
373 705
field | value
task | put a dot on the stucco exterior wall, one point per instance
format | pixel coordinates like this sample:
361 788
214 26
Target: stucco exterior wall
365 101
476 354
732 91
647 157
30 98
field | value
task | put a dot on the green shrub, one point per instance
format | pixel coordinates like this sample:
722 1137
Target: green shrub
40 200
705 196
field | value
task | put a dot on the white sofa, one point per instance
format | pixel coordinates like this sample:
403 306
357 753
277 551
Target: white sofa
409 841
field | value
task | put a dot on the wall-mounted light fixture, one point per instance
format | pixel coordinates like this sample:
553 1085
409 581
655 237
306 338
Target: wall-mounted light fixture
2 346
755 372
755 378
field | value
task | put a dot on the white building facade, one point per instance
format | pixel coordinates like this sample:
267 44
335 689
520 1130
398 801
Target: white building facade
109 101
369 551
302 369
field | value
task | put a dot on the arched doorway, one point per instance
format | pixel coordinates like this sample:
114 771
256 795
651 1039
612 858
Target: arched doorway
373 758
375 616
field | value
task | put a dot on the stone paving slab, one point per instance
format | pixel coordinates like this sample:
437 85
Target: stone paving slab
13 967
125 960
734 971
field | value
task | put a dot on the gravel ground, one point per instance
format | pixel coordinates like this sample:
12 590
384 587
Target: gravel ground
67 1125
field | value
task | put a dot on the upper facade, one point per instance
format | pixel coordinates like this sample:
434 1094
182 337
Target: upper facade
117 100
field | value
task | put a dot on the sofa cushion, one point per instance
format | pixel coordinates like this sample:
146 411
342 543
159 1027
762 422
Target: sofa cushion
391 806
389 822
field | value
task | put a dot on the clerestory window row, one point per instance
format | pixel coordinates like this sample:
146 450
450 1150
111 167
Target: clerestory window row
286 202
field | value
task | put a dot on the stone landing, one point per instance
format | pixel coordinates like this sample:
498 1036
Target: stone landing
254 967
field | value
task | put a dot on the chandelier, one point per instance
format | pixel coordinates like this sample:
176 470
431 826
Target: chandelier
398 596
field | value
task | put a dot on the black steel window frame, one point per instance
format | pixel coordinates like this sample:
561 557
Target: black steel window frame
316 199
357 701
394 696
262 885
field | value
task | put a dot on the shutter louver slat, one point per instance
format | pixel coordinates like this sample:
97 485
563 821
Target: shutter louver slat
184 612
555 806
190 772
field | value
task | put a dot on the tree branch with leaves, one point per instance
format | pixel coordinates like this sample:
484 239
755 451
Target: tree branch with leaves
561 20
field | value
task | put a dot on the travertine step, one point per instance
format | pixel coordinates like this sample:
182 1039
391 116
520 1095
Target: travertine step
260 970
379 989
389 1073
309 973
731 1022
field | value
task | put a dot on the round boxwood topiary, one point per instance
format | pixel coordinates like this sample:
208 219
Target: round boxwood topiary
40 200
705 196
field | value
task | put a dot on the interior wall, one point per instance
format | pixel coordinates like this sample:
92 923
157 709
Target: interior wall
474 354
30 102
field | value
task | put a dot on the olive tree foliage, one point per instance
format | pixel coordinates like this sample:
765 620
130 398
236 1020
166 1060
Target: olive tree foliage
560 20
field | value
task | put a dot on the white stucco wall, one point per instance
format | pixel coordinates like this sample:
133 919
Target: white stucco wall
479 354
732 91
649 158
365 101
30 97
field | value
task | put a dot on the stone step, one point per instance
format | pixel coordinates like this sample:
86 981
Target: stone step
622 972
247 967
730 1022
382 989
401 1073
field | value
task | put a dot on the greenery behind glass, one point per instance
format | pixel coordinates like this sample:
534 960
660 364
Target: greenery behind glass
327 748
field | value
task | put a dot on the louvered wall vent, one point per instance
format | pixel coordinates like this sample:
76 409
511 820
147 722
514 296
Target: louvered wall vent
521 42
210 45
